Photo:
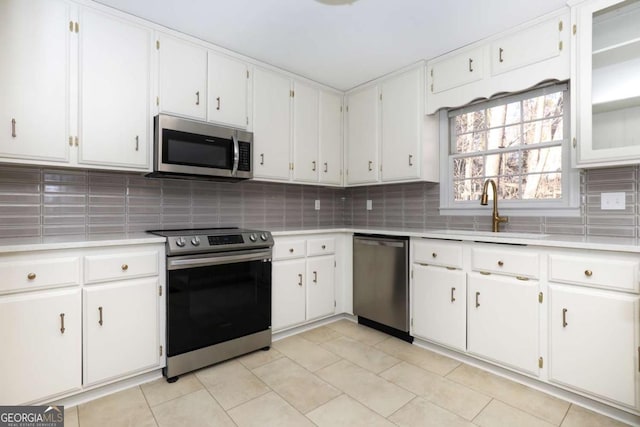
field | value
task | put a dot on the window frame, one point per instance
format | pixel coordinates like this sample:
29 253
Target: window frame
567 205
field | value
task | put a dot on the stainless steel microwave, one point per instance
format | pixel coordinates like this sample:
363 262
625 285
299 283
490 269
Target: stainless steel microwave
198 150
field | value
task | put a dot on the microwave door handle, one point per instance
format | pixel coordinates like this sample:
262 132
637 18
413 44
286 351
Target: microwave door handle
236 154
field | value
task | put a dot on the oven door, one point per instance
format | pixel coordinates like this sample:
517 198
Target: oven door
214 298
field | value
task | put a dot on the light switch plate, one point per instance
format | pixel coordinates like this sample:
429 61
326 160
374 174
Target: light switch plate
317 205
612 201
369 205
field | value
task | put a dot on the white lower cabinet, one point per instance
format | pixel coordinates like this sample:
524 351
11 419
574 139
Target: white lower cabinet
303 281
440 305
41 345
503 320
121 329
593 342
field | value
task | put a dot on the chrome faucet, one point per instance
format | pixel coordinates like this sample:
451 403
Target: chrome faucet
484 201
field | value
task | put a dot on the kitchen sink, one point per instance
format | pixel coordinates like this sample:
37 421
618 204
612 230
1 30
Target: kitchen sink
506 234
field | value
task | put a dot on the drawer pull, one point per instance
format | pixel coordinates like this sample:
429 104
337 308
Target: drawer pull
500 263
324 247
290 250
564 318
100 320
524 279
453 298
62 323
124 267
31 276
477 299
299 279
434 255
588 273
315 277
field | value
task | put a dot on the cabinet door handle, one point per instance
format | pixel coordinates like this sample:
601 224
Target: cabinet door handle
31 276
326 167
299 279
500 55
470 65
198 98
124 267
588 273
314 166
453 298
62 329
100 320
13 128
370 165
262 159
477 299
410 159
564 318
137 142
218 100
315 277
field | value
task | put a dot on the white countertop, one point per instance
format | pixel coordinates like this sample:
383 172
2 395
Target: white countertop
23 244
548 240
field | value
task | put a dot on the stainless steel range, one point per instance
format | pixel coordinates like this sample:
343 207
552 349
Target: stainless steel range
219 295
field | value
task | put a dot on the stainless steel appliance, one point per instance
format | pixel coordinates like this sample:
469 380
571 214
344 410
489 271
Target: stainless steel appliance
218 295
198 150
381 283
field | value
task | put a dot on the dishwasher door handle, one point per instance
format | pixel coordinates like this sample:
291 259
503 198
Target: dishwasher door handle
392 243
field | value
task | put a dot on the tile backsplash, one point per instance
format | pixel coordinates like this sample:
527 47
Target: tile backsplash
43 202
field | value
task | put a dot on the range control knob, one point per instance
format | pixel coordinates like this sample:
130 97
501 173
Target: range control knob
181 242
195 241
253 237
264 237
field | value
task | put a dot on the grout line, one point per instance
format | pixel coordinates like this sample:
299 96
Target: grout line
483 408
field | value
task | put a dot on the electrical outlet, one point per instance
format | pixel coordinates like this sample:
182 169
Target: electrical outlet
369 205
612 201
317 205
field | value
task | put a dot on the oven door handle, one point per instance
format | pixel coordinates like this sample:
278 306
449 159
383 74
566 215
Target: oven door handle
192 262
236 154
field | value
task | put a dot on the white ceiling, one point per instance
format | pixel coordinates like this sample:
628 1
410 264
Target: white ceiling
339 45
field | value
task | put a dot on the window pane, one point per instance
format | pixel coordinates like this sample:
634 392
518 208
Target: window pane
471 142
502 115
509 187
468 167
469 122
542 160
542 106
502 164
468 189
543 131
542 186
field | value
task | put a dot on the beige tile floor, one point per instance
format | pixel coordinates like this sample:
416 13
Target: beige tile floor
341 374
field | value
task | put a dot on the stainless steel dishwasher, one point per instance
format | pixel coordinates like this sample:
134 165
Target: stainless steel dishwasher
381 283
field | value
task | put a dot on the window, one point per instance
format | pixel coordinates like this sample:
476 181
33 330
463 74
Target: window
521 142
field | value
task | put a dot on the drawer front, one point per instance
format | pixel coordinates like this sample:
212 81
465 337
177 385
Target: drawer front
613 271
437 252
512 262
126 265
287 249
321 246
23 273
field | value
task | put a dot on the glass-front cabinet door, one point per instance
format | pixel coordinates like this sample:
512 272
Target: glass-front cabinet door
606 82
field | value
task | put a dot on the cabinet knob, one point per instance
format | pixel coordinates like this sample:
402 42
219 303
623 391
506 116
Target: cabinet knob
324 246
31 276
125 267
500 263
588 273
434 255
290 250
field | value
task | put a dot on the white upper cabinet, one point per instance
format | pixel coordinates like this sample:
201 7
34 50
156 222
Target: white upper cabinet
34 80
606 83
305 133
182 75
402 117
362 136
271 125
512 61
228 83
115 68
330 138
